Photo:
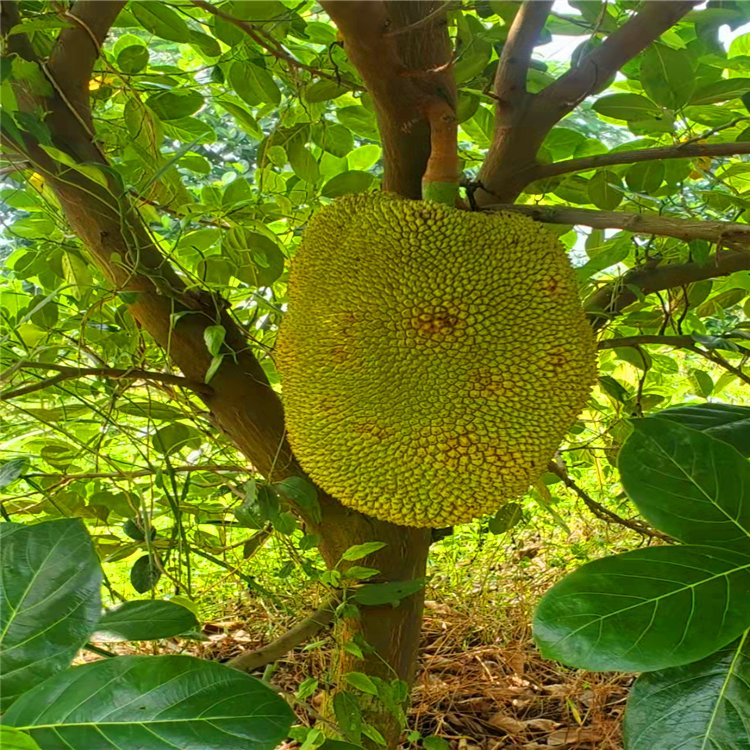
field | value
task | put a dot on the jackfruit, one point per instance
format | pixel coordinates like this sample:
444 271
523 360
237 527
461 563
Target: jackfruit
431 359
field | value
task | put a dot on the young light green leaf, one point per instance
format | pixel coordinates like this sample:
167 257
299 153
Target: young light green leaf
214 338
358 551
362 682
391 592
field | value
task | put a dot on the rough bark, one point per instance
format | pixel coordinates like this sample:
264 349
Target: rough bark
241 400
522 120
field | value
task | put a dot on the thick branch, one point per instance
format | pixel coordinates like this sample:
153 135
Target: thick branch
77 50
405 73
723 233
678 342
510 77
519 133
614 297
593 72
680 151
69 373
295 636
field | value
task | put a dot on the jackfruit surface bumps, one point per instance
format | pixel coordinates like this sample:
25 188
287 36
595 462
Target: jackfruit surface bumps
432 359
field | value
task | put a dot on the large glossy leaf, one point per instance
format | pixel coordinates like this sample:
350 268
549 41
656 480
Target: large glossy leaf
50 581
645 610
143 621
701 706
726 422
692 486
154 702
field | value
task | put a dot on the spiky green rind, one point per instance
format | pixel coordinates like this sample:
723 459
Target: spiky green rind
432 359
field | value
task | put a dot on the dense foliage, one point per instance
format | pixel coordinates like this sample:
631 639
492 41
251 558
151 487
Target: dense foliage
215 131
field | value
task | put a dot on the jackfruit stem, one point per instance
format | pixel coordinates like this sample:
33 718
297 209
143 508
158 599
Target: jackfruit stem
440 180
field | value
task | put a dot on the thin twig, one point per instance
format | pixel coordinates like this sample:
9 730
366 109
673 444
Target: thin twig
678 342
68 373
273 47
600 511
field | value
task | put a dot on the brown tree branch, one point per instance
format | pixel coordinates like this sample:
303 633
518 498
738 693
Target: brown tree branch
602 512
513 67
520 131
77 50
405 73
248 661
678 342
679 151
69 373
611 299
593 72
723 233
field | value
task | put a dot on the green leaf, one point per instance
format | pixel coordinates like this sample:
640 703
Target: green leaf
144 621
644 610
214 336
725 422
506 518
133 59
144 574
14 739
303 162
301 492
172 105
12 470
258 259
348 715
605 190
158 18
361 682
254 84
667 75
324 90
358 551
154 702
352 181
359 120
690 485
174 437
333 138
391 592
645 177
721 91
50 581
626 107
695 707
